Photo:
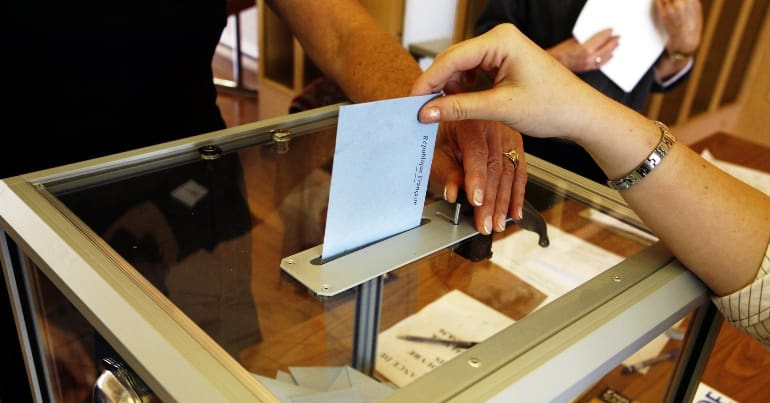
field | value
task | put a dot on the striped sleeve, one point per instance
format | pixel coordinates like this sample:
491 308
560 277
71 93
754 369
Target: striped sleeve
748 309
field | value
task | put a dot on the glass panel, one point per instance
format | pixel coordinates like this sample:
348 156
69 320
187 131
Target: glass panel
68 350
644 377
520 277
67 343
210 234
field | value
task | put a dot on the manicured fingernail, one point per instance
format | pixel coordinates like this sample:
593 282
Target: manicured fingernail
488 225
519 214
501 222
434 114
478 197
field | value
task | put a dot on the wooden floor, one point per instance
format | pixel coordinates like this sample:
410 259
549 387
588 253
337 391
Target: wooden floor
739 366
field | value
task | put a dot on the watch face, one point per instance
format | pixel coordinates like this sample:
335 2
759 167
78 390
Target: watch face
678 56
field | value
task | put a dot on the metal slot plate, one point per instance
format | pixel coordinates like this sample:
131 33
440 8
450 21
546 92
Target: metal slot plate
345 272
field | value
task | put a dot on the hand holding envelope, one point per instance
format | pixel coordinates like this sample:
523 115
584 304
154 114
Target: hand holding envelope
384 158
380 173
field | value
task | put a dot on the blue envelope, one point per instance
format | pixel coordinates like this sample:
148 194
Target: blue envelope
380 173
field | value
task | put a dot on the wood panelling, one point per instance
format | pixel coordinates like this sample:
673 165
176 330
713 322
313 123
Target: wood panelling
728 85
753 120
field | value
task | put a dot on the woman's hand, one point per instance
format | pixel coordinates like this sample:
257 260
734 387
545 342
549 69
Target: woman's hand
494 185
532 92
683 21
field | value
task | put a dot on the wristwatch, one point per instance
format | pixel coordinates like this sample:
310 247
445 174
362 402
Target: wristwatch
678 56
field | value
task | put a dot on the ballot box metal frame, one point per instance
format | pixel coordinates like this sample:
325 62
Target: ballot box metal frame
552 354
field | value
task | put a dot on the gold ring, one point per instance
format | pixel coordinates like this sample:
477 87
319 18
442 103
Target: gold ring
598 60
513 156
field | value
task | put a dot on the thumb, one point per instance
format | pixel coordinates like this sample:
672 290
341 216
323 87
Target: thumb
468 105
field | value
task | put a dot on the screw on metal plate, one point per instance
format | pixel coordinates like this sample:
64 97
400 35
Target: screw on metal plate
474 362
210 152
281 138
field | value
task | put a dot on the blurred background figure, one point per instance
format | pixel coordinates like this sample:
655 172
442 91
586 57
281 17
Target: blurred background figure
549 23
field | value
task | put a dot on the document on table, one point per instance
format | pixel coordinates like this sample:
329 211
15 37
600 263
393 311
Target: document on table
382 161
454 316
566 263
642 39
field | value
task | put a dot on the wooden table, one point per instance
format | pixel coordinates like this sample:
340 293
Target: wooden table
736 150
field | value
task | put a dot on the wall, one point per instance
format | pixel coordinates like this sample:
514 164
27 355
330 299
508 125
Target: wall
753 121
728 88
426 20
248 22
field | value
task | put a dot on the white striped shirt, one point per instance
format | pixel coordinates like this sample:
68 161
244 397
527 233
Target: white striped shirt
748 309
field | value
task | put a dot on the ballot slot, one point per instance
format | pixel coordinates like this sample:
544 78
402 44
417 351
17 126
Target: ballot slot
319 260
444 225
344 272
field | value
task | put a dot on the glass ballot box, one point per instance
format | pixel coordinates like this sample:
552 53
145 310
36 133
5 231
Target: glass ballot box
191 271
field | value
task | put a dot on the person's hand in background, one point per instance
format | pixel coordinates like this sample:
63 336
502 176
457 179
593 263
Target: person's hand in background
590 55
683 22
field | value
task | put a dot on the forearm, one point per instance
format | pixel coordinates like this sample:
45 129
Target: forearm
371 65
348 45
716 225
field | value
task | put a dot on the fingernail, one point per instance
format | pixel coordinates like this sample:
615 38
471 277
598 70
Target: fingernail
434 114
519 214
501 222
488 225
478 197
444 192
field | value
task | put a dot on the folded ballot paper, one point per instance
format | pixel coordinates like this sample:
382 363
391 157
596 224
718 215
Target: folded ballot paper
382 160
325 384
642 38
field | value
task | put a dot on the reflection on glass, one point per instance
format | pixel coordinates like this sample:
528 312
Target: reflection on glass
210 236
